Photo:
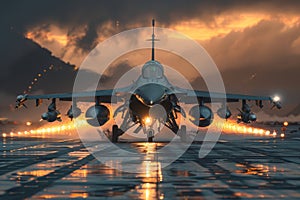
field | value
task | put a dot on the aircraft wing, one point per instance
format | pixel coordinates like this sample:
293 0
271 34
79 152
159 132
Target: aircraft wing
104 96
188 96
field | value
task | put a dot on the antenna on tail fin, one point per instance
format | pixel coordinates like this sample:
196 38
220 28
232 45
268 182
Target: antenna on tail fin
153 39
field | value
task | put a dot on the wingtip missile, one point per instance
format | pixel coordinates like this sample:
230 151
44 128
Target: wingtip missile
21 101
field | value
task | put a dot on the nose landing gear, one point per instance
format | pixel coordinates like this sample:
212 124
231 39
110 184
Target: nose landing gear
116 132
150 134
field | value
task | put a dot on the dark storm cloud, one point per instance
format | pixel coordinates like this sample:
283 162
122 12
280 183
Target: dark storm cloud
262 60
71 13
74 12
268 43
265 51
87 42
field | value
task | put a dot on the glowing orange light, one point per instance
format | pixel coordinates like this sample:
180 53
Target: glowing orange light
79 195
4 135
285 123
282 135
148 120
61 128
231 127
28 123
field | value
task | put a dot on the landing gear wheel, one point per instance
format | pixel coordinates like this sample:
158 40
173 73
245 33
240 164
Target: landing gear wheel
182 133
115 134
150 135
150 139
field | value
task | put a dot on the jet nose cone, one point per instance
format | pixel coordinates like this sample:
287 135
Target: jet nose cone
151 93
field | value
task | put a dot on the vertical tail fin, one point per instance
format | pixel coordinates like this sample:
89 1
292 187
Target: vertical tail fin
153 39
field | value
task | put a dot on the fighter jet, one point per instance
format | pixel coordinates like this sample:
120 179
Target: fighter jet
148 100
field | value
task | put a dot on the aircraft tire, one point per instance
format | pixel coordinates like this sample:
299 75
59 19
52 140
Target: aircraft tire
115 134
150 135
150 139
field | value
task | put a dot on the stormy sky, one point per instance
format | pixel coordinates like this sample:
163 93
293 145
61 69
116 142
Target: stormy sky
255 44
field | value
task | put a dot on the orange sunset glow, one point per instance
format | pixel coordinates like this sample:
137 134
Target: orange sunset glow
220 26
63 45
232 22
55 35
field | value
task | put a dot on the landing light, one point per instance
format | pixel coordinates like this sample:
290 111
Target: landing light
148 120
276 98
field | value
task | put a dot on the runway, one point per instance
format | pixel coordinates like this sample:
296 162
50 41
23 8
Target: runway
236 168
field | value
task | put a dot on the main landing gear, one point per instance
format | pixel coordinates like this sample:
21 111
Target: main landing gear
116 132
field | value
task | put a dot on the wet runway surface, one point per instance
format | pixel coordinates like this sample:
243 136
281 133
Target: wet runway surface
245 168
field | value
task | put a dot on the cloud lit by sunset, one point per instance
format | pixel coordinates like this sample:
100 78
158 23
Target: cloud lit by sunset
219 26
64 43
48 35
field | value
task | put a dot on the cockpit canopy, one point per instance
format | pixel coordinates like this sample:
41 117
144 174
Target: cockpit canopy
152 70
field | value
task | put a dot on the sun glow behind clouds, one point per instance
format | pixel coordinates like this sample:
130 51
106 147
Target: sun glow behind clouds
60 41
50 35
63 41
229 22
220 26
